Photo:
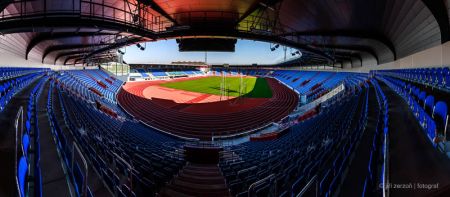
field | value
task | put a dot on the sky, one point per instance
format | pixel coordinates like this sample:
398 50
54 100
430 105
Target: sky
166 51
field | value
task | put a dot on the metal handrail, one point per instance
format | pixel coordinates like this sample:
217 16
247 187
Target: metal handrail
308 185
246 169
145 19
130 167
86 8
16 125
86 167
253 185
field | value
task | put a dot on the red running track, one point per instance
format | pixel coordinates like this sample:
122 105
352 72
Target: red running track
203 120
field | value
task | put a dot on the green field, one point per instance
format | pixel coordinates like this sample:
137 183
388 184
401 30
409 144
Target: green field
255 87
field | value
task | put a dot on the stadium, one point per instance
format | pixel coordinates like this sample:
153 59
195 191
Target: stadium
209 98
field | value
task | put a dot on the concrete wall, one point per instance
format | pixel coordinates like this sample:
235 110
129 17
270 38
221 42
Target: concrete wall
12 60
347 64
433 57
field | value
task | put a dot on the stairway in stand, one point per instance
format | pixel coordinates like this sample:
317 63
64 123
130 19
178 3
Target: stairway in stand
204 180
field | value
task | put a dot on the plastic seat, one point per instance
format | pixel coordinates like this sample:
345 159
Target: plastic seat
437 76
440 109
428 105
422 97
28 126
25 144
22 171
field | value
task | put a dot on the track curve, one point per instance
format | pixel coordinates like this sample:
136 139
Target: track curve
193 124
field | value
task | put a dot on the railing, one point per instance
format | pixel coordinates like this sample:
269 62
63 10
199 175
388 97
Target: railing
301 110
142 16
271 179
308 185
138 15
86 167
19 132
130 168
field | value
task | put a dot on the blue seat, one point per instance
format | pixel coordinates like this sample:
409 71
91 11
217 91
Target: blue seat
22 171
440 78
28 126
25 144
441 109
422 97
446 77
437 76
428 105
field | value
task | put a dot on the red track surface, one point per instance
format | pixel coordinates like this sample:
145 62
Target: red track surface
198 115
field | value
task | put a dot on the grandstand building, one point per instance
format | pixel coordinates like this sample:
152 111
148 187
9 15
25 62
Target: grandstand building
355 101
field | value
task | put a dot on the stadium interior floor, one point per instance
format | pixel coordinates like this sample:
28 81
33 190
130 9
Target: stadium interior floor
412 158
54 178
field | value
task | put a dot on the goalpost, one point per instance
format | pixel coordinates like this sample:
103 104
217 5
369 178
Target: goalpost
225 87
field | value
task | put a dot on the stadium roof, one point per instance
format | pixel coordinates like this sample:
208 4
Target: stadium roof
325 31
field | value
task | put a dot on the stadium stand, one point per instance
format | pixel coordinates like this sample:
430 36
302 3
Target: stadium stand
143 72
158 72
263 98
15 79
308 144
318 151
430 114
311 84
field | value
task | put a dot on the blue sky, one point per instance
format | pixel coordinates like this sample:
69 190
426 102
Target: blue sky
166 51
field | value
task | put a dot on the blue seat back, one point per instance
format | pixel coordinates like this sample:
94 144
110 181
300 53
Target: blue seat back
25 144
422 96
22 171
440 109
28 126
429 102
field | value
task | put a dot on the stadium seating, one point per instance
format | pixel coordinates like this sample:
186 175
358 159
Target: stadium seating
84 84
315 150
310 83
153 154
435 77
158 72
28 169
308 146
433 124
143 72
15 79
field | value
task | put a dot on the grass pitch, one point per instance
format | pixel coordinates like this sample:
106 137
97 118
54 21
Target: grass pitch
255 87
